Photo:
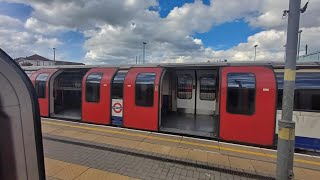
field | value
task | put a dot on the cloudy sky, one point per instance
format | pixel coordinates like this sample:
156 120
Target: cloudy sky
112 31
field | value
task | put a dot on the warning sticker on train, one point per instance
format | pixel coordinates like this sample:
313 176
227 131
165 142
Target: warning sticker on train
117 107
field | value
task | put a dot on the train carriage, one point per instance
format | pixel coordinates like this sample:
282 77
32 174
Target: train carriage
236 102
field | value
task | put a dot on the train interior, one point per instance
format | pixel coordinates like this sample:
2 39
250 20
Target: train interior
188 102
67 89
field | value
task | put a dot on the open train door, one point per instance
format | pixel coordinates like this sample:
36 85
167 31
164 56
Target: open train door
141 98
248 105
41 80
21 153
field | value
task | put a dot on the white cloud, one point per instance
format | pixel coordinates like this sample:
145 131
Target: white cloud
86 14
170 39
310 36
33 24
114 30
9 22
18 41
198 41
270 47
270 15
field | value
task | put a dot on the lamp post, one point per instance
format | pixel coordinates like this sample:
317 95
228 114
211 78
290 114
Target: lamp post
286 126
54 56
306 48
144 49
255 51
299 32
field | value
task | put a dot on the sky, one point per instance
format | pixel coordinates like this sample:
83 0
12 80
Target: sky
176 31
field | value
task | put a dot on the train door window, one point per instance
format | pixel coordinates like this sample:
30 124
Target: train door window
93 87
207 87
185 83
117 85
144 89
241 93
40 85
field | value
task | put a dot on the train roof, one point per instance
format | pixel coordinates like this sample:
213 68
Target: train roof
274 64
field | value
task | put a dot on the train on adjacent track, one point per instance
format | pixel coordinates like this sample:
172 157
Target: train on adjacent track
235 102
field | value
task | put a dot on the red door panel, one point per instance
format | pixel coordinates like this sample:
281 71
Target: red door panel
257 126
44 102
98 112
135 116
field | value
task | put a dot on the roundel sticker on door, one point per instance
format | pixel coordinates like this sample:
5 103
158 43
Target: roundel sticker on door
117 107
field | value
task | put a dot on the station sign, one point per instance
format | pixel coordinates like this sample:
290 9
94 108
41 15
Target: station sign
117 107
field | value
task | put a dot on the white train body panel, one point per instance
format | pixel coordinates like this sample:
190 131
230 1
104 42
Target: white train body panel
307 129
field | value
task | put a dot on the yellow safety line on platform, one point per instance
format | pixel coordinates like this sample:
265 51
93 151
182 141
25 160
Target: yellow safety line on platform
182 142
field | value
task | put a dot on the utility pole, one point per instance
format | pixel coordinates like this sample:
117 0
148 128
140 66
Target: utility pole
300 31
306 48
54 56
255 51
286 133
136 59
144 49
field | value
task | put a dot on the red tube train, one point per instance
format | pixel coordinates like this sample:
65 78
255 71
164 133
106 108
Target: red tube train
234 102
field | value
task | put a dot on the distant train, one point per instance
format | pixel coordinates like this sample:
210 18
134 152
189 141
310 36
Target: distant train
236 102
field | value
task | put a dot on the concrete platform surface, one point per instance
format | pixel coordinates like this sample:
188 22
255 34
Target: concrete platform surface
60 170
65 161
209 158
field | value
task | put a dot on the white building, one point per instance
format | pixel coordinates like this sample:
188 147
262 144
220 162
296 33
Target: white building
37 60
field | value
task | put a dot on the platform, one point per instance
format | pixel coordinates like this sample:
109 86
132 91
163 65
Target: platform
124 154
71 113
198 125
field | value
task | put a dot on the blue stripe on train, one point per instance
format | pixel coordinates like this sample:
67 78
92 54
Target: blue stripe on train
307 143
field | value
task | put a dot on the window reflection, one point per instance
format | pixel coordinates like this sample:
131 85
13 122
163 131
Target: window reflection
207 87
241 93
185 83
117 85
93 87
144 89
40 85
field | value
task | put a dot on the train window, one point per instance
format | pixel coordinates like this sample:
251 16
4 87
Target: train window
307 95
207 87
307 100
241 93
93 87
71 79
40 85
117 85
144 89
185 83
